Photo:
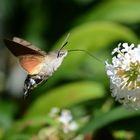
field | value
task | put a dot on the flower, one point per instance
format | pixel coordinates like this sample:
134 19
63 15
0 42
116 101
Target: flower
67 121
65 118
124 74
54 111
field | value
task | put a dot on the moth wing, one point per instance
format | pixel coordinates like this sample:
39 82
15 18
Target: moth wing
31 63
20 47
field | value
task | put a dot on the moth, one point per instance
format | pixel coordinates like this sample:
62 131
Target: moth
38 64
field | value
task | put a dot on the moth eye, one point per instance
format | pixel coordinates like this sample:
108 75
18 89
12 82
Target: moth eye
60 54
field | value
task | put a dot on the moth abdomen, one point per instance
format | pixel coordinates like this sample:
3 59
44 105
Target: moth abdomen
31 82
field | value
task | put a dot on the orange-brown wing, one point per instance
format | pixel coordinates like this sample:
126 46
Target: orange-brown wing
31 63
21 47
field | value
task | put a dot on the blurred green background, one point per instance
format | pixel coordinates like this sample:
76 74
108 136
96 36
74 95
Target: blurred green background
80 84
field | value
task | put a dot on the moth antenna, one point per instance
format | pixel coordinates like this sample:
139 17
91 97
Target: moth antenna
64 43
86 53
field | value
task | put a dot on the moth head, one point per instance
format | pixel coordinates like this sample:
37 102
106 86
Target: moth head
61 54
55 59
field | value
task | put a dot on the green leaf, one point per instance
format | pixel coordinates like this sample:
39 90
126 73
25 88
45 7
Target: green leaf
99 121
65 96
120 11
28 126
19 137
93 37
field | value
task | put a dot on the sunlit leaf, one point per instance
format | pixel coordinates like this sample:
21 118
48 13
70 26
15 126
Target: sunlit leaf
19 137
65 96
93 37
30 126
120 11
102 119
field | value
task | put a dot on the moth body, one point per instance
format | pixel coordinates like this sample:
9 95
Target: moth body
45 69
38 64
31 82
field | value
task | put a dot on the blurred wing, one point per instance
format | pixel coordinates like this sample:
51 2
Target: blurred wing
31 63
21 47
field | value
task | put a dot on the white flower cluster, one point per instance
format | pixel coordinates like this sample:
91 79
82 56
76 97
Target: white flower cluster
65 118
124 74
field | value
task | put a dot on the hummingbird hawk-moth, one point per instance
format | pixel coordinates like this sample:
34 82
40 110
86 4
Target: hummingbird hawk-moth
38 64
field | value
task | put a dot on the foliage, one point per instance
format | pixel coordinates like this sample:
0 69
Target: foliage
80 84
